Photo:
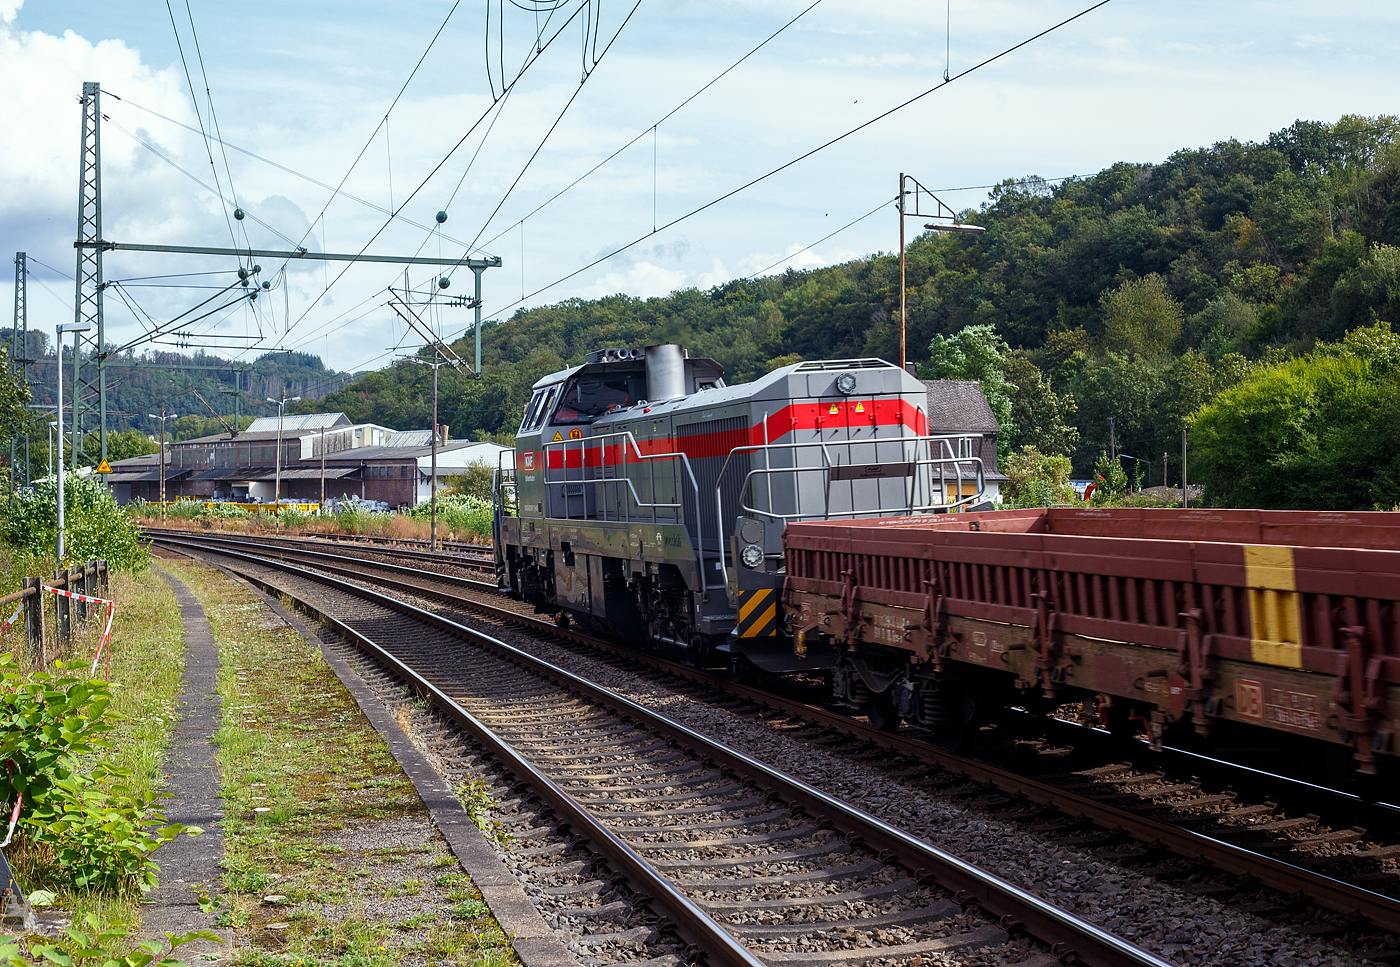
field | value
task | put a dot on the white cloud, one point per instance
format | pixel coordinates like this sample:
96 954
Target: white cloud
8 9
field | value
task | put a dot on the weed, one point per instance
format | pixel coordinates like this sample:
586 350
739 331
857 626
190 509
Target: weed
409 887
416 920
477 801
452 879
470 910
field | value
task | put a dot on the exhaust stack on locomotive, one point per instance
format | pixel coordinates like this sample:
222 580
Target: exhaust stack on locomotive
649 498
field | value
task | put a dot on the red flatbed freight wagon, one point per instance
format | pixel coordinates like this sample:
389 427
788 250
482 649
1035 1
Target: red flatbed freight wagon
1281 619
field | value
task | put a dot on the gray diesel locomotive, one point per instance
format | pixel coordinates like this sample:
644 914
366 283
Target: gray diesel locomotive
648 498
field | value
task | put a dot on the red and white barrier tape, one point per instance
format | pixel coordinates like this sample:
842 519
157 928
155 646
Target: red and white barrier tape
106 632
14 818
6 625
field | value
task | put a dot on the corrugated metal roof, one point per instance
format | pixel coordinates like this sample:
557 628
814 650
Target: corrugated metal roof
298 423
409 438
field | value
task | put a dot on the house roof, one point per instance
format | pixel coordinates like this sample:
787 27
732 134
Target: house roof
958 406
300 423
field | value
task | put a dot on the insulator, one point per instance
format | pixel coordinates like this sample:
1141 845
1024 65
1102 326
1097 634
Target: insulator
238 214
267 285
441 217
444 282
242 273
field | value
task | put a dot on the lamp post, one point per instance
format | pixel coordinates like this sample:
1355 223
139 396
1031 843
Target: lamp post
281 412
52 424
61 329
951 224
162 419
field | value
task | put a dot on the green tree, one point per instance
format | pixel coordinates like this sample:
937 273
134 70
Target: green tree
1039 415
1141 317
1321 431
978 354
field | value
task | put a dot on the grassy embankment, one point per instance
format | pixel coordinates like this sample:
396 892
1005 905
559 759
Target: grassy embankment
330 855
147 662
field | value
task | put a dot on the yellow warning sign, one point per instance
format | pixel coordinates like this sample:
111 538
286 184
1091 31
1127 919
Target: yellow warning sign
860 407
558 437
104 467
835 409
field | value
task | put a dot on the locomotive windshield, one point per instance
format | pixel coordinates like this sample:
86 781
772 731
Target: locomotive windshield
588 397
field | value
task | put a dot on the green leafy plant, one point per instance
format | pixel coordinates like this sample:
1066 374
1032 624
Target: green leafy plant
97 945
101 830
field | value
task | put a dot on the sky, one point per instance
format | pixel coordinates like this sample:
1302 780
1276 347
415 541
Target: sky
402 106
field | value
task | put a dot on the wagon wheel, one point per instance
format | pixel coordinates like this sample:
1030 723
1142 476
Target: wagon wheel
882 713
957 728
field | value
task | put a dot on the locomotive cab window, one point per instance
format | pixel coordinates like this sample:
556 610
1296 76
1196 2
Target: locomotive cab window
544 399
588 397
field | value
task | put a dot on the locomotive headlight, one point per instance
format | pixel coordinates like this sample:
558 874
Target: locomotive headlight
751 555
846 383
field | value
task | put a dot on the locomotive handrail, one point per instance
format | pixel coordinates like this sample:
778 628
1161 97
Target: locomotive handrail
826 468
630 439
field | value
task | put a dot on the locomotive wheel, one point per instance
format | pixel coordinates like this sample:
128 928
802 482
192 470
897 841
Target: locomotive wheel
741 670
882 713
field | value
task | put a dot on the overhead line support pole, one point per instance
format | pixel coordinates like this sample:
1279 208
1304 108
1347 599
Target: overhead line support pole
87 302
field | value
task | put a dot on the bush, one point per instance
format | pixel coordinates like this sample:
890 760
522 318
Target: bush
1037 479
100 830
94 525
463 514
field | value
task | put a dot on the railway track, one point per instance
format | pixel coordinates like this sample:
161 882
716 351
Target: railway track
748 864
1147 812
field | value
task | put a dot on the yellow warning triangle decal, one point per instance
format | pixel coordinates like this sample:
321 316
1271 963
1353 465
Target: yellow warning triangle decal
835 408
860 407
558 437
104 467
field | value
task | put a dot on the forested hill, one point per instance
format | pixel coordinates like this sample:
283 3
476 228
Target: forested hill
1137 293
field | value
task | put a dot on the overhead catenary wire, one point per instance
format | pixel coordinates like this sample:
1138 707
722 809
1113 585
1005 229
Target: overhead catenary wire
788 258
807 154
194 98
665 117
447 157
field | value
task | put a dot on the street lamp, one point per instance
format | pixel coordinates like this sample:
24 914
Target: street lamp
281 411
61 329
946 222
52 424
162 419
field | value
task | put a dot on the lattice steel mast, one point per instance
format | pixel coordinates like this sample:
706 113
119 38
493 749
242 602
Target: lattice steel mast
19 351
87 301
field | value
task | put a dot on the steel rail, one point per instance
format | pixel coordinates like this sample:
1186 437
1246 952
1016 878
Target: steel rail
1065 932
1336 895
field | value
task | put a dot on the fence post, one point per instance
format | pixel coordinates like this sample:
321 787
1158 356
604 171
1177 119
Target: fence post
34 617
103 575
63 606
81 580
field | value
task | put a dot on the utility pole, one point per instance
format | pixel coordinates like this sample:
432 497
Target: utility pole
1112 440
1185 503
87 302
19 350
75 329
323 468
1164 468
277 476
162 418
945 220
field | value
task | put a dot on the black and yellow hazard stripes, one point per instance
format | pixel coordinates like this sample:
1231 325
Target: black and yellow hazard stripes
758 613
